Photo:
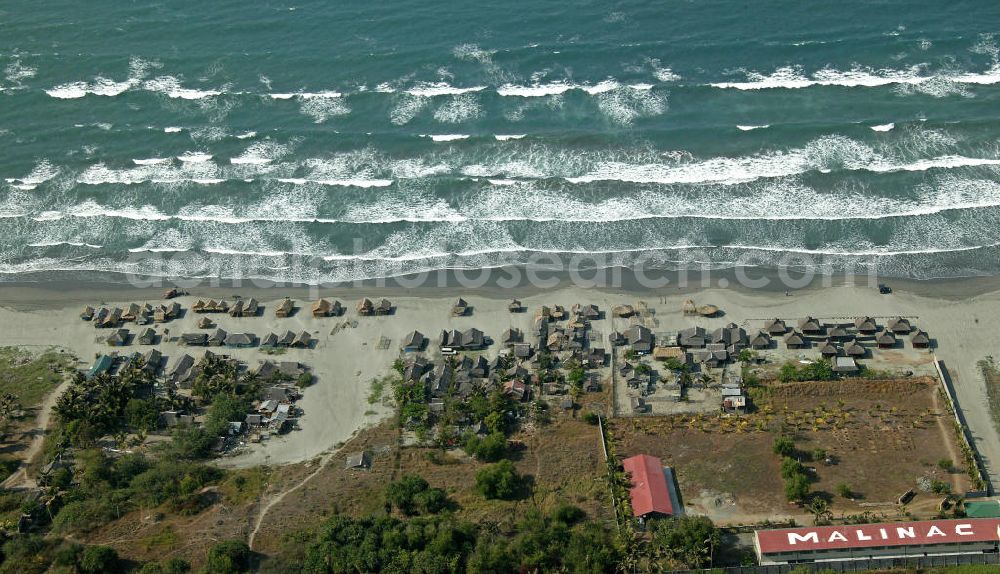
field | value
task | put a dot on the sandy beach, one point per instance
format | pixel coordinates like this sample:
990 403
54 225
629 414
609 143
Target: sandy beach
346 361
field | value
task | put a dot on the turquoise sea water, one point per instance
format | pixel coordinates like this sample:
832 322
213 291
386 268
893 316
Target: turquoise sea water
328 141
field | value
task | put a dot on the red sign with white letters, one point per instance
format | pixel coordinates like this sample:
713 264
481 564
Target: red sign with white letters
875 535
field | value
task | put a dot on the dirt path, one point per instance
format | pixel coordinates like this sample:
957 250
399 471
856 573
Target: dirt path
279 496
20 478
949 439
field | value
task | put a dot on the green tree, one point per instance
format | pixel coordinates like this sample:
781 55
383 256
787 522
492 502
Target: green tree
401 493
691 540
490 448
845 491
797 487
141 414
228 557
498 481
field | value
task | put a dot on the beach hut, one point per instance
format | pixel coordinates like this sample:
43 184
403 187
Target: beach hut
639 338
302 341
286 340
366 308
775 327
795 340
511 336
147 337
205 323
132 312
118 338
865 325
102 364
236 310
151 361
194 339
250 308
692 337
413 342
829 349
460 308
198 307
920 340
623 311
855 349
886 340
515 306
899 326
336 309
384 307
810 326
588 312
321 308
239 340
358 461
838 332
689 308
111 319
218 338
285 308
271 340
171 293
708 310
761 340
87 314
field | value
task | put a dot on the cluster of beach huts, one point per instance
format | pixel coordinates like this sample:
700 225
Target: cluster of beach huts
515 370
841 341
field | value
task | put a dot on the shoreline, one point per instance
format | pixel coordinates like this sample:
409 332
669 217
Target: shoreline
63 289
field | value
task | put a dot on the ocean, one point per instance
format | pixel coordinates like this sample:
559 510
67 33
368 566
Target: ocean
316 142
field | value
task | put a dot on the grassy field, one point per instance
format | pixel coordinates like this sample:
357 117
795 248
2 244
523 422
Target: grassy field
882 437
31 376
561 460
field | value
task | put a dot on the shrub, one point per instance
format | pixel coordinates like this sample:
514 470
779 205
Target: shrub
99 560
783 446
488 449
498 481
819 454
591 418
945 464
844 491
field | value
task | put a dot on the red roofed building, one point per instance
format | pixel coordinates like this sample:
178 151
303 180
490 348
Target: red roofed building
892 539
650 493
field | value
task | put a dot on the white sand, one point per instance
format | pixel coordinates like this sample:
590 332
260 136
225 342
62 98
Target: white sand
346 363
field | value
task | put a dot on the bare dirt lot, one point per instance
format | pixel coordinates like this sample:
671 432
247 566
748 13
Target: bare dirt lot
884 437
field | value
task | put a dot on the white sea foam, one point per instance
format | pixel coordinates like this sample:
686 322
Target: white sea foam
535 91
458 109
58 243
151 161
793 77
172 130
321 109
339 182
751 128
246 135
42 172
172 88
883 127
503 138
446 137
194 157
430 90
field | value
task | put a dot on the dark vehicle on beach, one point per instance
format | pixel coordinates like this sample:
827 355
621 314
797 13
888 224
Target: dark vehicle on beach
884 289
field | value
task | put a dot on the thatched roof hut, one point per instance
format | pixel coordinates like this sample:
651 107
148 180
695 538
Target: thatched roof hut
689 308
